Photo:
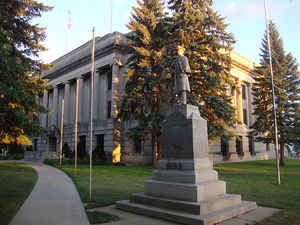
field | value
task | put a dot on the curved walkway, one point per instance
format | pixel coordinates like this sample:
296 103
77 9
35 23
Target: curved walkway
53 201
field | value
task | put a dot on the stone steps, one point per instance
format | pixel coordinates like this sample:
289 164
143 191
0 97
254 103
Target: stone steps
185 192
187 218
197 208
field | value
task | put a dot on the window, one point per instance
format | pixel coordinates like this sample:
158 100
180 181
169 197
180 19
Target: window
99 150
224 147
138 145
35 143
239 146
108 109
100 140
106 71
81 147
244 92
109 79
251 145
245 116
82 139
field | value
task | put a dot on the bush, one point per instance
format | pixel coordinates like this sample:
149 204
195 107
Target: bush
15 149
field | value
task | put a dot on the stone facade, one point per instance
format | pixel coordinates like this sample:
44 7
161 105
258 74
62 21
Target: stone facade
111 54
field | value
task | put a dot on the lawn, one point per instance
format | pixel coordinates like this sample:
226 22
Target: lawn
255 181
109 183
16 183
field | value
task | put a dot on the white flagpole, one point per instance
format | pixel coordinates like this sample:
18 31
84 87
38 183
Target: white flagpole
273 95
91 109
111 16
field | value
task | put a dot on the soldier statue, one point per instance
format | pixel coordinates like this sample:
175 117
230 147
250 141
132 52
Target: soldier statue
181 69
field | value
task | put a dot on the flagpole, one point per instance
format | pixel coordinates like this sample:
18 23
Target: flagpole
273 95
111 17
68 30
91 109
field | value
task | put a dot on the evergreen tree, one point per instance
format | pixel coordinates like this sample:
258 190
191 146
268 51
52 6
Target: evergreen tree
203 33
286 85
149 91
143 90
20 68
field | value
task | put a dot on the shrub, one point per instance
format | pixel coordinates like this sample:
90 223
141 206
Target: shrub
15 149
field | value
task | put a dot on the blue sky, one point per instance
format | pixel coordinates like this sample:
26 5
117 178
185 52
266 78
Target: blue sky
246 19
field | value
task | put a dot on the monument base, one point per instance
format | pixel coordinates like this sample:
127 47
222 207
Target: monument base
189 195
184 187
183 217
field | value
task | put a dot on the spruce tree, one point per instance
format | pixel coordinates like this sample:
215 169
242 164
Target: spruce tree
286 85
20 67
202 31
155 35
143 91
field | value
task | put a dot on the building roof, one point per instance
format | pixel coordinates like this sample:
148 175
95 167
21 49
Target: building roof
82 54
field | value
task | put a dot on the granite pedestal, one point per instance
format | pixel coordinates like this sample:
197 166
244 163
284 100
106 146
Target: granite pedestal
184 187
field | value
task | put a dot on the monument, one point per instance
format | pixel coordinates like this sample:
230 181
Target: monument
184 187
181 69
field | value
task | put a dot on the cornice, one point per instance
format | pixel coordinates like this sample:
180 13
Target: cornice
117 44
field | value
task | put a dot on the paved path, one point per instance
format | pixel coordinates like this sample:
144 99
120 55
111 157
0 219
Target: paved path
53 201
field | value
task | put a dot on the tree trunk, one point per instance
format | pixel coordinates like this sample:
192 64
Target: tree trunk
282 154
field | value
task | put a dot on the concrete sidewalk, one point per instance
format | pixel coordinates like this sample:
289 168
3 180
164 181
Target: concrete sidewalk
53 201
128 218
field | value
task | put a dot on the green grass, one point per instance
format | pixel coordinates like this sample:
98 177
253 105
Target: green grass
101 217
255 181
16 183
109 183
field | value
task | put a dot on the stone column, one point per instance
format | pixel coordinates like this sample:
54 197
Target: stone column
54 120
239 104
67 103
80 100
96 96
45 104
250 106
87 99
115 90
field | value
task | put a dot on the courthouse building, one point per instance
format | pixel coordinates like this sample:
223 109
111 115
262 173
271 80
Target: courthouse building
111 54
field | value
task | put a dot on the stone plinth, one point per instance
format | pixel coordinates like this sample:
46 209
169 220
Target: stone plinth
184 187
